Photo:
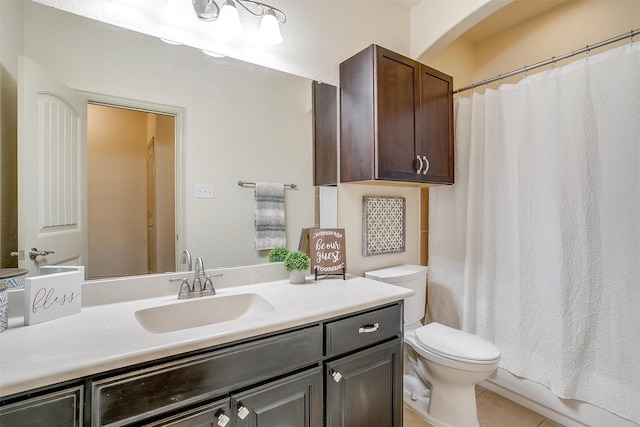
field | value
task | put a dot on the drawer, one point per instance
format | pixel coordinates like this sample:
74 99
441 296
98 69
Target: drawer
141 394
63 408
362 330
202 416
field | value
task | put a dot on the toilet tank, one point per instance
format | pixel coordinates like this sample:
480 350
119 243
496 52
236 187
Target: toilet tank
408 276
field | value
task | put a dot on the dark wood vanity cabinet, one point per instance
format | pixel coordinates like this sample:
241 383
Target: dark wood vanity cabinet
345 371
396 120
364 371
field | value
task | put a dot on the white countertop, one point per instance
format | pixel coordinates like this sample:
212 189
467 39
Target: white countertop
108 336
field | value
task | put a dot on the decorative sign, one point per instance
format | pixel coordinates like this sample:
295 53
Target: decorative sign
327 251
52 296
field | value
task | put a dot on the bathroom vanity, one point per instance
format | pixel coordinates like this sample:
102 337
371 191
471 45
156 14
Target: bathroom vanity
329 353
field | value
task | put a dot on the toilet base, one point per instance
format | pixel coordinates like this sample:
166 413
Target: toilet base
419 405
435 404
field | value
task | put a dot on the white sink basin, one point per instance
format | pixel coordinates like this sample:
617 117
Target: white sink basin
202 311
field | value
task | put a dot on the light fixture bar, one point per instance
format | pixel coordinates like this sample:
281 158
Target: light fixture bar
261 9
229 21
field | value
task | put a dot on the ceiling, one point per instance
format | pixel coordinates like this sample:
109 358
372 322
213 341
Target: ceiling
509 16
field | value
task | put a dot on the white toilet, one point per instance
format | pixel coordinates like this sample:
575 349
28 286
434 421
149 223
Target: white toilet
441 365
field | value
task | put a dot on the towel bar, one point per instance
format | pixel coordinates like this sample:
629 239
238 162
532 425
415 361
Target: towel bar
249 184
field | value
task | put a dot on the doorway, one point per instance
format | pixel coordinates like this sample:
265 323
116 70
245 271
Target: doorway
131 195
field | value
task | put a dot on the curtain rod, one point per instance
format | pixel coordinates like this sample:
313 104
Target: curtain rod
552 60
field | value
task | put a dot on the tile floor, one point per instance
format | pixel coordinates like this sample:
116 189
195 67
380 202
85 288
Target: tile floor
493 411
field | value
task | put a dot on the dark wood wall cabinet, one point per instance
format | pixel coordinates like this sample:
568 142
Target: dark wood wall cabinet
270 381
396 120
325 134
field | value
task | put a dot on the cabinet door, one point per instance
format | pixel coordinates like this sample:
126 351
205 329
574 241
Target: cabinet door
397 98
294 401
58 409
435 126
325 134
365 389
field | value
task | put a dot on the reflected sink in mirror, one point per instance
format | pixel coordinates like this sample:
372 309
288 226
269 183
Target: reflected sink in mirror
201 312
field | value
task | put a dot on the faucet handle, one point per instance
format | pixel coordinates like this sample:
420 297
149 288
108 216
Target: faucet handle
208 288
185 290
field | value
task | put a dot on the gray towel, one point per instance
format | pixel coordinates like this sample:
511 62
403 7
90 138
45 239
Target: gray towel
269 211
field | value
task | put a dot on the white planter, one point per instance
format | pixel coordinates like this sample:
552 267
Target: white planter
297 277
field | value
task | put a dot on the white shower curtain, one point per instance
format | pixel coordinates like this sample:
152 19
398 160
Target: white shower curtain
537 245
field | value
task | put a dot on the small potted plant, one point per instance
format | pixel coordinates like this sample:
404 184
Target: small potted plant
297 264
278 254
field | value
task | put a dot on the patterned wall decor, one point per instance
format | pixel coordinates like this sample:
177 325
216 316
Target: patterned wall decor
383 220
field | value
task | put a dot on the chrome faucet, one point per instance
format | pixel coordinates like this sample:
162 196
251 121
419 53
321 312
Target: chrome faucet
186 259
196 289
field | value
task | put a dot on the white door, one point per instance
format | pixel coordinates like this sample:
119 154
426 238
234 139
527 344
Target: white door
52 186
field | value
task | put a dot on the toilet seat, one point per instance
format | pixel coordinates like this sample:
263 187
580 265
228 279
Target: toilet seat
455 344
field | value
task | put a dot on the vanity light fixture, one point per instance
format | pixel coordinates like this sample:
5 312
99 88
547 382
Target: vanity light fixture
171 42
212 53
229 19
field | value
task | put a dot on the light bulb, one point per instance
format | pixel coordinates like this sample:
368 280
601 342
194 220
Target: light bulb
178 11
269 32
229 21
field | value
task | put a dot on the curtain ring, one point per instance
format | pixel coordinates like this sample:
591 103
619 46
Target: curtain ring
588 51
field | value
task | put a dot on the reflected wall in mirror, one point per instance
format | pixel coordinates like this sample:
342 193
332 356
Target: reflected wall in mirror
242 122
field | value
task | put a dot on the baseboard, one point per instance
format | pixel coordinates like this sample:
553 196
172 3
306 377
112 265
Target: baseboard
538 398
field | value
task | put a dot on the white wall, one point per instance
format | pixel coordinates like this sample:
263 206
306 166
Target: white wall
350 217
437 23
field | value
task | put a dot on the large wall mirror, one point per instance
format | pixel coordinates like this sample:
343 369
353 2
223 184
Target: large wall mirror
240 122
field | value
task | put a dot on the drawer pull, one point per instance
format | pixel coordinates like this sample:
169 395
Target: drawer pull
337 376
242 412
367 329
223 420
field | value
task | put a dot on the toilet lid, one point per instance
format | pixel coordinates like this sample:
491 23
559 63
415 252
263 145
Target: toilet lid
397 274
456 344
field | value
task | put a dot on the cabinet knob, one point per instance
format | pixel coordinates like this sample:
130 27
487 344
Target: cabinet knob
337 376
420 164
426 161
242 412
223 420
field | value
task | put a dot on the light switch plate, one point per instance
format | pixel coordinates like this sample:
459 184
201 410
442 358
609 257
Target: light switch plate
204 191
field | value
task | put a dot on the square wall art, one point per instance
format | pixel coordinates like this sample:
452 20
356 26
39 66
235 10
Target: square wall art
383 220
